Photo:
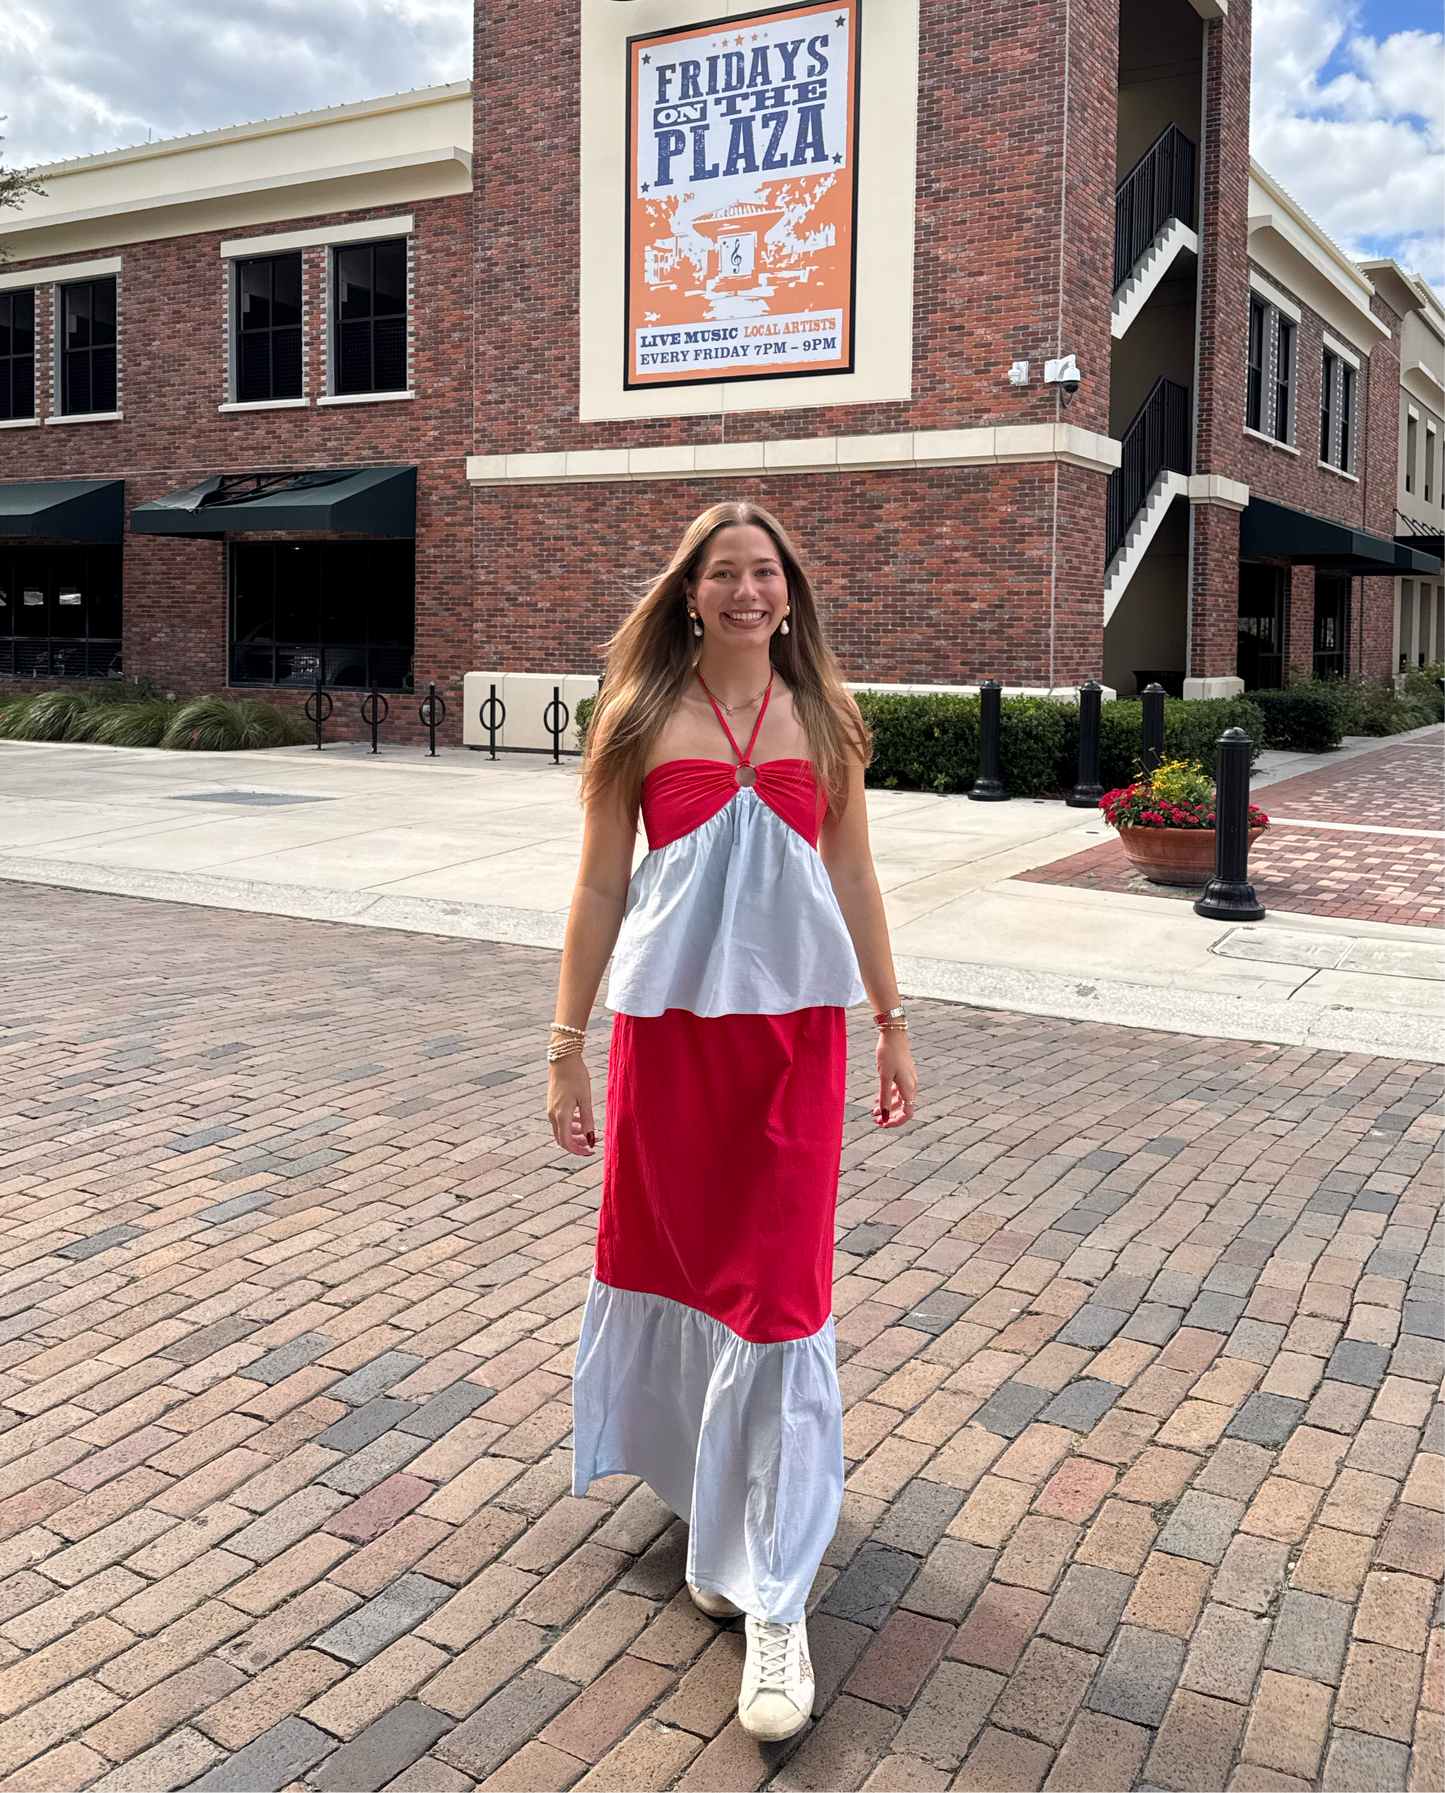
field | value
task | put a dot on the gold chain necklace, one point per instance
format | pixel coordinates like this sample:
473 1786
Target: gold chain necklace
744 704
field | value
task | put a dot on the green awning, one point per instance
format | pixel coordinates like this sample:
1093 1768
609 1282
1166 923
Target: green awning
1275 532
64 510
357 500
1426 553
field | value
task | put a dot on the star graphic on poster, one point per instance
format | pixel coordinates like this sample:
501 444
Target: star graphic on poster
841 22
645 187
646 59
837 159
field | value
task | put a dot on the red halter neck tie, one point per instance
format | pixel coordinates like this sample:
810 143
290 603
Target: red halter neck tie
744 773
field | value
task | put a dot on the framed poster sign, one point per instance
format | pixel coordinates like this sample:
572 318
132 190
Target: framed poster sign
742 197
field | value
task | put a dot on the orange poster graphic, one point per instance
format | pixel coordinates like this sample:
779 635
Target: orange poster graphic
742 164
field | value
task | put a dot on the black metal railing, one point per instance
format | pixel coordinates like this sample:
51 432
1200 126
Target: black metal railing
1159 186
1157 439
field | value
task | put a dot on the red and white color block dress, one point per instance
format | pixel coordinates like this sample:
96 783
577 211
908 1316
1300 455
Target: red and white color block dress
706 1363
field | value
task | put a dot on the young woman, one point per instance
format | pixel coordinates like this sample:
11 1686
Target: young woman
706 1363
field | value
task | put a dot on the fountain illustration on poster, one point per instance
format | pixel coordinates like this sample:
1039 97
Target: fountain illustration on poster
742 168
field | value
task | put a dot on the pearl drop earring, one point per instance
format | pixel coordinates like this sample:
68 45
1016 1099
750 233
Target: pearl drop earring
696 624
783 625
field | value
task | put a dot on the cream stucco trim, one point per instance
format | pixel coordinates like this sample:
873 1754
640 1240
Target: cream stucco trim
1336 347
384 154
1271 295
1270 441
265 404
368 230
362 398
887 136
18 423
1214 488
1423 375
909 451
88 417
57 275
1287 241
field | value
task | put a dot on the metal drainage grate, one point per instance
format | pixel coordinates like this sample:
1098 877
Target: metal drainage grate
256 799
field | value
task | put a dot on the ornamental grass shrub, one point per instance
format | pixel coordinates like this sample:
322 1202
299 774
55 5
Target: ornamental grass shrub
234 724
132 715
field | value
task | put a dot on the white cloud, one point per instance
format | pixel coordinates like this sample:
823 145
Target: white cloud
1363 149
91 75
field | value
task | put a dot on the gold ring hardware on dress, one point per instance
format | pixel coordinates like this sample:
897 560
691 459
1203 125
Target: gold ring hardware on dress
746 776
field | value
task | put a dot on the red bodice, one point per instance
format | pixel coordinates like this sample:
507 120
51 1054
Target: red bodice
683 794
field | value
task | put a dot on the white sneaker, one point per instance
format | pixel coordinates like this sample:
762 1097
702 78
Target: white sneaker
777 1693
716 1606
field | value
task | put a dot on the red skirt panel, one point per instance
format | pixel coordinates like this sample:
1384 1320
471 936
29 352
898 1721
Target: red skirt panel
720 1174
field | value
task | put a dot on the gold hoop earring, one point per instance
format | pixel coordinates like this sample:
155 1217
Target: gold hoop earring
696 624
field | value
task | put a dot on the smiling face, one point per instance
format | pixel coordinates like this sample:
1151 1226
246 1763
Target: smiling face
741 590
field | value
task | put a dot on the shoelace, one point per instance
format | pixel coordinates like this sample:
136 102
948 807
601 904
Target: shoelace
773 1654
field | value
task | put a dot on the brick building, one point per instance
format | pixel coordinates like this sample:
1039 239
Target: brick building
1005 451
184 325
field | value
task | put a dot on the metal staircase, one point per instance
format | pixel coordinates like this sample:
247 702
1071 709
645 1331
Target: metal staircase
1153 221
1152 472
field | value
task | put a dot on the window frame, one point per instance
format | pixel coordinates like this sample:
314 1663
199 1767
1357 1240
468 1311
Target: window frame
237 330
1284 379
335 392
1348 409
64 355
10 360
1412 431
1256 360
1329 366
84 654
313 656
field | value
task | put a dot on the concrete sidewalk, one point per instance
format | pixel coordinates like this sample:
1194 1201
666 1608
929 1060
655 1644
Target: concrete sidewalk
463 847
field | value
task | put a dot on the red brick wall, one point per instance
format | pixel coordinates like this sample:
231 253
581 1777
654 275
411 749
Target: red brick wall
173 366
1299 645
1219 393
958 601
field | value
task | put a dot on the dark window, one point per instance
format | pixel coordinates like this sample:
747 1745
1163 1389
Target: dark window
340 611
268 328
1260 659
370 286
1411 434
1429 462
1347 416
1283 381
17 354
1254 390
1327 407
1332 625
87 321
59 613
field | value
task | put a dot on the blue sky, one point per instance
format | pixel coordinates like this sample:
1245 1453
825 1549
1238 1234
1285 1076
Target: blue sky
1349 95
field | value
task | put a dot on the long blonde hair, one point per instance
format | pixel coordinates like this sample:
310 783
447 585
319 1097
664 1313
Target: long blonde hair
651 658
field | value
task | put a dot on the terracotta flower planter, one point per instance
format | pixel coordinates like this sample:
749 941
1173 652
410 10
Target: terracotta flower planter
1174 855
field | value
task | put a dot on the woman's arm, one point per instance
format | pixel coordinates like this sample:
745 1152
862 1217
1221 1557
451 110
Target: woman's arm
598 904
849 858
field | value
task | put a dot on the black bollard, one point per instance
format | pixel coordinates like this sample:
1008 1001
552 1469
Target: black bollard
492 716
988 787
1087 792
1151 756
374 710
555 719
1229 895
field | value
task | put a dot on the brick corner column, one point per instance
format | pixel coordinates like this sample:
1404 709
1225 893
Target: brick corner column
1300 634
1214 635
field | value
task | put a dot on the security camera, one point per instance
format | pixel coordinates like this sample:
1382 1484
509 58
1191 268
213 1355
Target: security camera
1063 373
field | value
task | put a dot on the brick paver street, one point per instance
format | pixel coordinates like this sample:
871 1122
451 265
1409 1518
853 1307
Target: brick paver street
1343 872
1141 1340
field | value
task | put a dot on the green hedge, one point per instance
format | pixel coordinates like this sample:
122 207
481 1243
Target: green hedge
930 743
1303 718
